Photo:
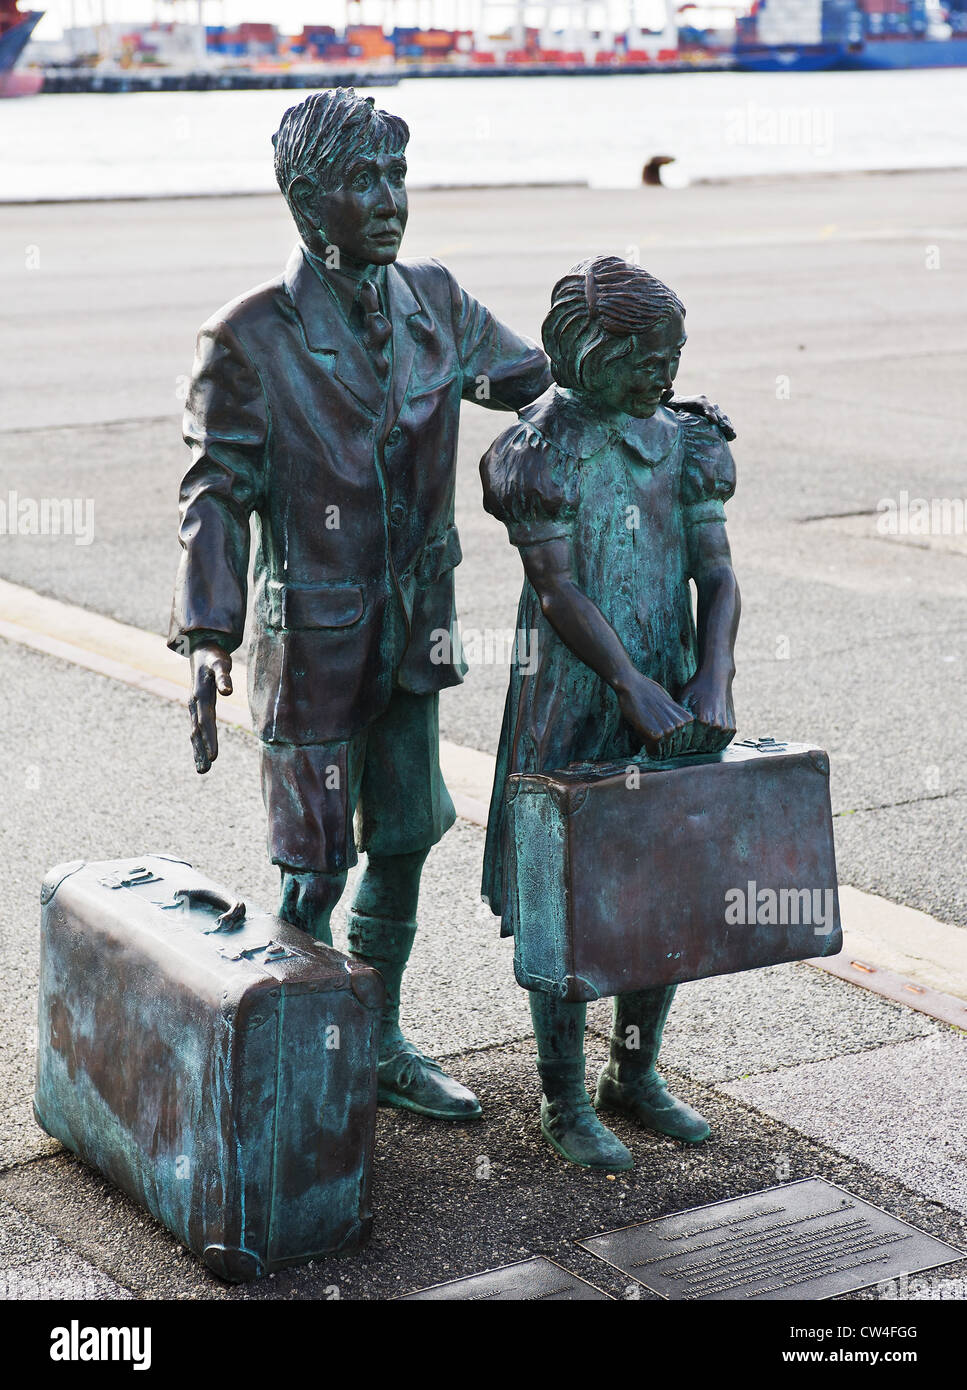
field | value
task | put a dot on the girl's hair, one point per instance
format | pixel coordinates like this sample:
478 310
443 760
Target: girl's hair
597 310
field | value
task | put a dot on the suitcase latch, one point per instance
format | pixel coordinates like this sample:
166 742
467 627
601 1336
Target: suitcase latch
269 951
135 876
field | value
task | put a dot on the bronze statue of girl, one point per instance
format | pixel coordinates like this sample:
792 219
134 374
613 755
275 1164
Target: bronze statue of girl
615 503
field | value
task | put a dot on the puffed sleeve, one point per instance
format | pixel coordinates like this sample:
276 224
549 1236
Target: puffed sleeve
708 481
529 485
708 473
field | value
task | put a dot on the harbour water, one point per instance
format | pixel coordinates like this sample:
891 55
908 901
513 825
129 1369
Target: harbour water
517 130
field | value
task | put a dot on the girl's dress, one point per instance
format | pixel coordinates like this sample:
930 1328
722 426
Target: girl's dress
629 494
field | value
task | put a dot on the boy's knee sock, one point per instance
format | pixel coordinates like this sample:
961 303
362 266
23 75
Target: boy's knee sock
386 946
382 928
308 899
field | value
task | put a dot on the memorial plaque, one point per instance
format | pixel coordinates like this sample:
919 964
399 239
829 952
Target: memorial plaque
801 1240
526 1281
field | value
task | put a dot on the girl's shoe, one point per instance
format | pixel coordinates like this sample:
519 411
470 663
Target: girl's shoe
650 1102
572 1128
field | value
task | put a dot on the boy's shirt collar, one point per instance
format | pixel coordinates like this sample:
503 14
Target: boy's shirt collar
344 283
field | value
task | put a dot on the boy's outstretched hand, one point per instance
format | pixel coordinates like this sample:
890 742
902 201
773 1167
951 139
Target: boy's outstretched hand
211 669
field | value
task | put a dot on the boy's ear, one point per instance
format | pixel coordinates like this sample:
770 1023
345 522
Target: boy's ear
310 199
302 192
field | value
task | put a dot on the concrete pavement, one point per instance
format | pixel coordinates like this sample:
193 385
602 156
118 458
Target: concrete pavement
849 639
75 795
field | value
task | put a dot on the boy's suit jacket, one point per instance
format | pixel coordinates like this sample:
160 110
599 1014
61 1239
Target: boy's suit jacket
351 479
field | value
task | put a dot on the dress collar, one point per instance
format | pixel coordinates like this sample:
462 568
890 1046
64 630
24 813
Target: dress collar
574 423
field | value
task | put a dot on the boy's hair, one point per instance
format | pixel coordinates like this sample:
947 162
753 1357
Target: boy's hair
597 311
318 138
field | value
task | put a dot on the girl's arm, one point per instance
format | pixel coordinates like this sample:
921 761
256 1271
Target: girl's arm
709 693
647 707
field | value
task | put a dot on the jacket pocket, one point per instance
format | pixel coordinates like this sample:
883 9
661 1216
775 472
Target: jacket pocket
310 606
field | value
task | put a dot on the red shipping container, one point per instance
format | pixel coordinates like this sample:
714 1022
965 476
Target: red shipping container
257 33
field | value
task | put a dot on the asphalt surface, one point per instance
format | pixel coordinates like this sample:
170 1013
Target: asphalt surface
823 282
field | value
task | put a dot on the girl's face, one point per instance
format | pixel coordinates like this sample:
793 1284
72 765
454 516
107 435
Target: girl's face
636 382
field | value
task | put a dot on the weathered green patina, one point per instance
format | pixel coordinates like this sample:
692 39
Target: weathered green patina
213 1062
327 405
615 503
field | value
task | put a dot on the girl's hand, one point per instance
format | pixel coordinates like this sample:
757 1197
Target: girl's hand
656 718
710 701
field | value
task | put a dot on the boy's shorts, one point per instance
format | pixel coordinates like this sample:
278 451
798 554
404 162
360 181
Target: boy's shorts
387 776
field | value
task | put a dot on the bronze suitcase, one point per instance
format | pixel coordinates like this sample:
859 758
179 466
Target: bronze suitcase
216 1064
626 876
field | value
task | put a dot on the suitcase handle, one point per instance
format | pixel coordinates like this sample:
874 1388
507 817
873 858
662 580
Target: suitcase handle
232 913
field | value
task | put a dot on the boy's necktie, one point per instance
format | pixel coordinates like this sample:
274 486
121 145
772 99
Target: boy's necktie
376 326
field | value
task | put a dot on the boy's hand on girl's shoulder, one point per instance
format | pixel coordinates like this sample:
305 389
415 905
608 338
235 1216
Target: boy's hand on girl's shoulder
701 405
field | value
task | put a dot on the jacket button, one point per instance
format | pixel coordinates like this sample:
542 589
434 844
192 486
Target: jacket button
397 514
394 436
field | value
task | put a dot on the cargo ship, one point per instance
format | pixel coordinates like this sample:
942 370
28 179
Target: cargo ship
774 36
16 27
850 35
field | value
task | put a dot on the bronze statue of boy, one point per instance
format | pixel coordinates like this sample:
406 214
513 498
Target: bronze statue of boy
326 403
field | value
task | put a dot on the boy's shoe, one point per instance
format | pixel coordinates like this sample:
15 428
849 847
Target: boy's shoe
411 1081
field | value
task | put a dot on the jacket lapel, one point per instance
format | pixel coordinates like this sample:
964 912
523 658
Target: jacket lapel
326 330
412 329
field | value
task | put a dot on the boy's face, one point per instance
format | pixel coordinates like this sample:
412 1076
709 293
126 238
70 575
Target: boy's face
636 382
364 216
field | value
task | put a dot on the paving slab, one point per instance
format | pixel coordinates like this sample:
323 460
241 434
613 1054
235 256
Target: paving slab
35 1265
451 1201
735 1026
900 1109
